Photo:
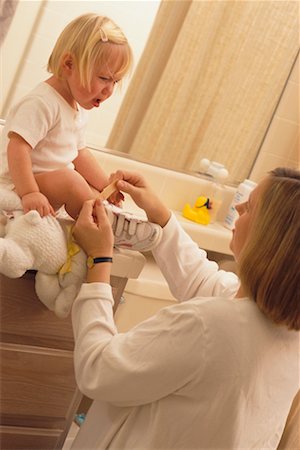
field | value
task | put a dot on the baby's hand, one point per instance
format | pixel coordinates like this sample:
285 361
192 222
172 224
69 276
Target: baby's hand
37 201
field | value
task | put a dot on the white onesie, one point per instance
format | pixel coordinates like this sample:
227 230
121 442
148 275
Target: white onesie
53 129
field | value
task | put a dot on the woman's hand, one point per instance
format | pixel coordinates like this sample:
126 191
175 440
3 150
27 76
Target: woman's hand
37 201
93 231
116 199
136 186
94 234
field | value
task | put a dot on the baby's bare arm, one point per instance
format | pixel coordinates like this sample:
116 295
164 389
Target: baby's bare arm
20 168
19 163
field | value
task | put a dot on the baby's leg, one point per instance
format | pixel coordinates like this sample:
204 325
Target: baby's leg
65 187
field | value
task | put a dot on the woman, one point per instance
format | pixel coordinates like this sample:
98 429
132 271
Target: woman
220 368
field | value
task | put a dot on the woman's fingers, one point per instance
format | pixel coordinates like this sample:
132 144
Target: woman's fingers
86 212
134 178
101 216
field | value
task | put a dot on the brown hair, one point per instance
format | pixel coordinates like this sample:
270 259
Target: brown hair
269 264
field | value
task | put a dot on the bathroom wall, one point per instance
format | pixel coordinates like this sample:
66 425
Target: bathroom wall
281 144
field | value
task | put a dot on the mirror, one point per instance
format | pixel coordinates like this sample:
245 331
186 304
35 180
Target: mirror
207 81
32 34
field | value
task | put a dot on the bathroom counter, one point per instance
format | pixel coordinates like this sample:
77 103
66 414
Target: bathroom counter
176 189
214 237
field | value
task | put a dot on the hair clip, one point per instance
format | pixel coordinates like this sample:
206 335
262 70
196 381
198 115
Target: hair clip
104 37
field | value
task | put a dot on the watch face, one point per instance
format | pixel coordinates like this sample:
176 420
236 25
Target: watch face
90 262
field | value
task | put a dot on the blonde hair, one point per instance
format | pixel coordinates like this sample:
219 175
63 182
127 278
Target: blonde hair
269 264
92 40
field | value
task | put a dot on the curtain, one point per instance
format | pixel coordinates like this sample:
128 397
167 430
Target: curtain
208 83
7 11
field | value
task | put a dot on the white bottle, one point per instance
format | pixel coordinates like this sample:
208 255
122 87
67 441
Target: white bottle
218 174
241 195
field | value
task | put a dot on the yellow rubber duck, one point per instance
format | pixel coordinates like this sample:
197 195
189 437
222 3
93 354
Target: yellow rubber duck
199 212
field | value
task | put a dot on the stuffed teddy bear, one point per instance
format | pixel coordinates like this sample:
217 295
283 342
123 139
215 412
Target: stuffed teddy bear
30 242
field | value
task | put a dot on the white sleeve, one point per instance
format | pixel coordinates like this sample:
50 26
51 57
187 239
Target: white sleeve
186 268
152 360
32 120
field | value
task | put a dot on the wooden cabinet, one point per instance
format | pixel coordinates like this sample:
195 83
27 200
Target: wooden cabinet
39 396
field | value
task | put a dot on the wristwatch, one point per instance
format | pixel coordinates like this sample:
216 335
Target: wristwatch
91 260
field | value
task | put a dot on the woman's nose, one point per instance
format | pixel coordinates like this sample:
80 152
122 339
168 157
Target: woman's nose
239 208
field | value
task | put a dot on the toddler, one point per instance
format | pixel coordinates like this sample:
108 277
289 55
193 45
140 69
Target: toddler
43 152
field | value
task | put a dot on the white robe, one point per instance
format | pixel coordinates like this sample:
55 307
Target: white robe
211 372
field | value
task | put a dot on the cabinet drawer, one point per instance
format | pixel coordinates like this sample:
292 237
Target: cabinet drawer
18 438
25 320
38 387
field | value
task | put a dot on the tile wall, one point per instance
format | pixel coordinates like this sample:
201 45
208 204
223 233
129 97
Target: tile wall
281 144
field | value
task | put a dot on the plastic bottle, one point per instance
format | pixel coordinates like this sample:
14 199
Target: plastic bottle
241 195
218 174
